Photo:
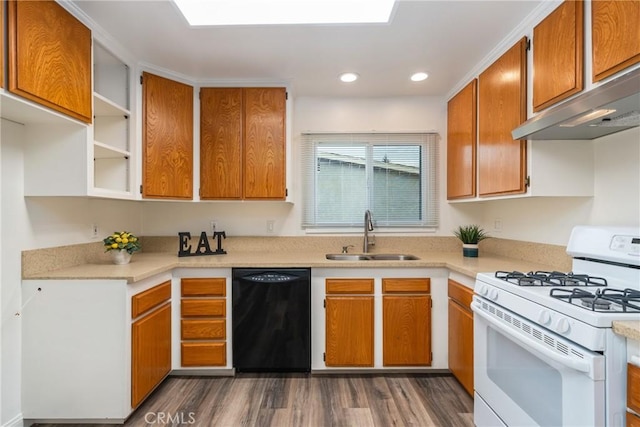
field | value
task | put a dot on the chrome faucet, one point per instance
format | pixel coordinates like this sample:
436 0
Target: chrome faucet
368 226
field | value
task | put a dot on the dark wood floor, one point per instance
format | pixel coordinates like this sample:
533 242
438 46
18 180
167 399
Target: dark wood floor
304 400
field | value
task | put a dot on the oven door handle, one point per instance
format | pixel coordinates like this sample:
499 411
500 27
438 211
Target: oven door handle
577 365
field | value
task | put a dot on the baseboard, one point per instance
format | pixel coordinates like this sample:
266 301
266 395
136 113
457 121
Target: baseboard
16 421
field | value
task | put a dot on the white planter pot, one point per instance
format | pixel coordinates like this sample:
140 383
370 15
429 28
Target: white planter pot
120 257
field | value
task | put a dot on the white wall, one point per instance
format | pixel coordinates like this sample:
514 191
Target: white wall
28 223
616 198
617 184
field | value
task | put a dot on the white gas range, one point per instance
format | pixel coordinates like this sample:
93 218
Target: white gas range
545 352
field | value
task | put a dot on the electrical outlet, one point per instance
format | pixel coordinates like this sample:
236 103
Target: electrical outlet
214 226
94 230
497 224
270 226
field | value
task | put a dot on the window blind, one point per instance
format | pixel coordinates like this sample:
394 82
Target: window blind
392 174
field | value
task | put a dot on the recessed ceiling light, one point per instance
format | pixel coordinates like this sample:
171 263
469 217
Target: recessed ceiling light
418 77
263 12
349 77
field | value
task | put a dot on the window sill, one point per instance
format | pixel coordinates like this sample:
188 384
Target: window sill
376 231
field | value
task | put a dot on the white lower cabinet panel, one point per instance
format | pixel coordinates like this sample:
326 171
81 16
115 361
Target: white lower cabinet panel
76 349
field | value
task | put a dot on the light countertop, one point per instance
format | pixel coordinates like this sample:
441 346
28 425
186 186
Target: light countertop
144 265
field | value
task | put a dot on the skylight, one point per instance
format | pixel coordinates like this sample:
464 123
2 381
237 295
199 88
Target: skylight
272 12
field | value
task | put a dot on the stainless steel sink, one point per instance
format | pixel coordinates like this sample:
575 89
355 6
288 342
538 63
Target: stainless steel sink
393 257
371 257
348 257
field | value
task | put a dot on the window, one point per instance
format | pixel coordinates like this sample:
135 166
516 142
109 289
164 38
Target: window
393 175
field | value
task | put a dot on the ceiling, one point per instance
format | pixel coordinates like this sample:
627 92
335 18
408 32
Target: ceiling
444 38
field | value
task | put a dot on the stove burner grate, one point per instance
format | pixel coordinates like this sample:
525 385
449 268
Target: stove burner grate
602 300
549 278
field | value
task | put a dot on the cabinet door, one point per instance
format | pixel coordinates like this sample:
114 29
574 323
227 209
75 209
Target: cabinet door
150 352
461 143
264 143
167 138
406 331
615 36
220 143
502 107
558 55
50 57
349 331
2 43
461 344
633 387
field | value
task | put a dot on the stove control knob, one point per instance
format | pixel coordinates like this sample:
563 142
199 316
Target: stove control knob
493 294
545 317
563 326
483 290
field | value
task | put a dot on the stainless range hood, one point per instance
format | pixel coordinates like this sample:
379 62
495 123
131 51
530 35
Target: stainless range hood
606 109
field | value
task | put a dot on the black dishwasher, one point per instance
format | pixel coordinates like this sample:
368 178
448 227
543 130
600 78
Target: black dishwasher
271 318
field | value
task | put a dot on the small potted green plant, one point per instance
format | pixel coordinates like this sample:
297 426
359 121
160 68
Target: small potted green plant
470 235
121 245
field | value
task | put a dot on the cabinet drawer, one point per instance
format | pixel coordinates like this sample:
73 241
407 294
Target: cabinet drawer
633 387
203 307
460 294
416 286
145 301
201 329
204 354
349 286
204 287
633 420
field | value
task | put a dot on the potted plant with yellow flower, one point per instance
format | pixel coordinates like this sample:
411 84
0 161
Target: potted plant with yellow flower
121 245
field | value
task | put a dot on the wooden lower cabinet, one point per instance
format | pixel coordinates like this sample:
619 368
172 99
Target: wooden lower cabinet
349 322
349 331
203 353
633 395
406 332
203 325
461 334
406 322
150 352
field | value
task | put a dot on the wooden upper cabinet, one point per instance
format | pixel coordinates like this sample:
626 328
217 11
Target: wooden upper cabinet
264 143
502 107
50 57
242 143
167 138
558 55
461 143
221 143
615 32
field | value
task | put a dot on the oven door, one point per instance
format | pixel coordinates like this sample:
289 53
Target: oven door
526 375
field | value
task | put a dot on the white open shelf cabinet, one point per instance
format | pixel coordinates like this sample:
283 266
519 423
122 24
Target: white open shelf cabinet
111 124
